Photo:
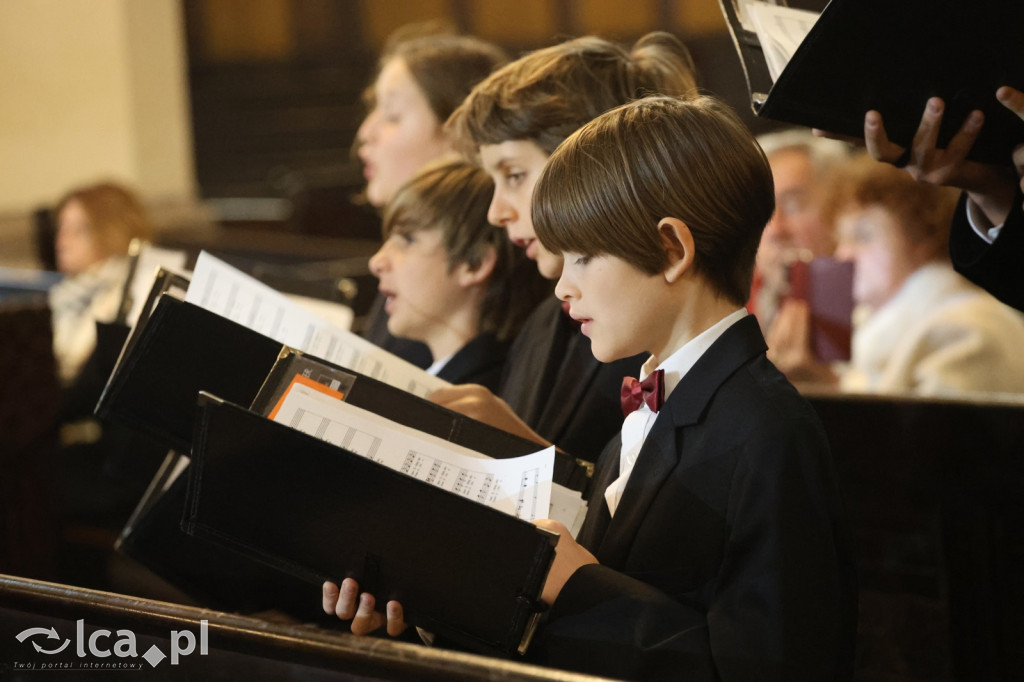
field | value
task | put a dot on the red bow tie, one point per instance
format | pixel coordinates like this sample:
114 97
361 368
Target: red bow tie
651 391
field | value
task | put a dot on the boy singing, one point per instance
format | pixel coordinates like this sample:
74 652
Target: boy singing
715 545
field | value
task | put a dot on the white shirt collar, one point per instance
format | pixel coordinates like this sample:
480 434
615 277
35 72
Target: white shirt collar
680 362
438 365
638 423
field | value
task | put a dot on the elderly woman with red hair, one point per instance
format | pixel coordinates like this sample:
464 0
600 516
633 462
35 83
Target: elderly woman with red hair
920 327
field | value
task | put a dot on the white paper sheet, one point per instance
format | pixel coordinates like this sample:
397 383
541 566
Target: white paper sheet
222 289
780 30
336 314
569 507
150 260
520 486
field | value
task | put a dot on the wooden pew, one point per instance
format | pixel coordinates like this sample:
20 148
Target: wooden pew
238 647
935 491
29 398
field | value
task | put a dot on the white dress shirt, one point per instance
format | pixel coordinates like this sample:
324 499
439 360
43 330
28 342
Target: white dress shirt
980 223
638 423
438 365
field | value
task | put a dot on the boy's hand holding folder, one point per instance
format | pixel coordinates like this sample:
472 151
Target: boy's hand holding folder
282 495
348 603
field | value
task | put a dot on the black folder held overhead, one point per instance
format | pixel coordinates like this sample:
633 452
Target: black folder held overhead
891 56
315 511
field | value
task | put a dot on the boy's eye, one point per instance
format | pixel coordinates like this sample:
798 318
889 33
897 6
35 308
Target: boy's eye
402 239
390 114
581 260
514 178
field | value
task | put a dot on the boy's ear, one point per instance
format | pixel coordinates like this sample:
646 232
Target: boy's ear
468 276
677 240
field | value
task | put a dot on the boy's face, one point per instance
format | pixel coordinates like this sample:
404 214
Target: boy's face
414 276
616 304
514 166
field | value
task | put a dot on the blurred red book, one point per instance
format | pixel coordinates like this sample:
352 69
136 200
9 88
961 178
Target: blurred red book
827 286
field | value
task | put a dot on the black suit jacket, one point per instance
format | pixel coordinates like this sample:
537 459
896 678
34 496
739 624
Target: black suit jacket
997 267
554 383
729 556
480 361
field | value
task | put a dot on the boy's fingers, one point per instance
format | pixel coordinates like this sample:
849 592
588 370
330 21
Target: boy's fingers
347 599
396 618
330 597
366 619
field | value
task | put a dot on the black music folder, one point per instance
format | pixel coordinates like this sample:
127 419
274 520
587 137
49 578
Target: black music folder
209 574
182 349
412 411
177 351
317 512
891 57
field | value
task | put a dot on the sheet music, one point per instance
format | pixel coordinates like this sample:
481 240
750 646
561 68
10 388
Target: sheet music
743 14
149 261
336 314
222 289
568 506
520 486
780 30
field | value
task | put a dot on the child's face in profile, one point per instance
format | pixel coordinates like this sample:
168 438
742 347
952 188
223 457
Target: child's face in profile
400 135
414 276
616 304
514 166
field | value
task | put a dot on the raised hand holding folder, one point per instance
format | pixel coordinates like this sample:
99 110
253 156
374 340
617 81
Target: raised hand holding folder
863 55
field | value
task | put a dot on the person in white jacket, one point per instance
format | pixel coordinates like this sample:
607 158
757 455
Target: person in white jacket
920 327
95 225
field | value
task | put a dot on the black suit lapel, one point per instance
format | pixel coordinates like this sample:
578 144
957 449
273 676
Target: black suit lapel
606 471
484 354
657 458
661 450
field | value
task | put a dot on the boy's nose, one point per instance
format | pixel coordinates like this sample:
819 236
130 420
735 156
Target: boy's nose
499 213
